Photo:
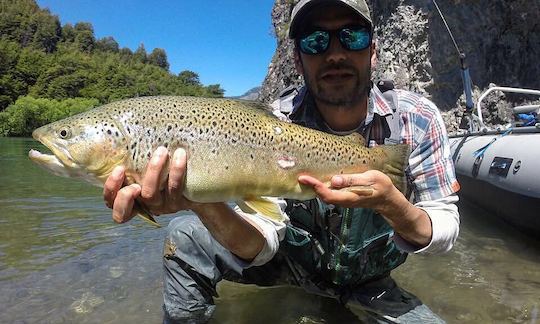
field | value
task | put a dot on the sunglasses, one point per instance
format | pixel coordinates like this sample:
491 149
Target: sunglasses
354 38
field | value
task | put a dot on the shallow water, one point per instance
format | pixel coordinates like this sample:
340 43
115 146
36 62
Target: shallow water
63 260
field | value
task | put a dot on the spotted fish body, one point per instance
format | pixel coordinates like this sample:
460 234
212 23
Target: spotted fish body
236 150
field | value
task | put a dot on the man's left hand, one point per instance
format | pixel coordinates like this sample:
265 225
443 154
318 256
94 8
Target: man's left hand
412 223
383 193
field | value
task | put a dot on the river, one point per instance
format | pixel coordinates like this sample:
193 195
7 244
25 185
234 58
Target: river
63 260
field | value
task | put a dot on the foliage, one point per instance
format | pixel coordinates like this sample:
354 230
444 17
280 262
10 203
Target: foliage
189 78
158 57
42 59
29 113
107 44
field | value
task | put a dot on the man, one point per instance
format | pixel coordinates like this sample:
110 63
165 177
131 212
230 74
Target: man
341 245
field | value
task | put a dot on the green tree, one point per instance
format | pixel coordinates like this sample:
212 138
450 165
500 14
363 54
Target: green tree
140 54
64 78
158 57
15 20
9 55
107 44
47 31
84 36
126 54
215 90
30 65
188 77
68 33
22 21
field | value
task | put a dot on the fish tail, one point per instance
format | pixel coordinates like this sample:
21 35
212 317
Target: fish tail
395 164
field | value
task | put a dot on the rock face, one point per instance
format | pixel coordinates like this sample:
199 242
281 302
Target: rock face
501 39
251 94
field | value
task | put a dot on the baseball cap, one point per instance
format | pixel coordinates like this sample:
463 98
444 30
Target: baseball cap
304 6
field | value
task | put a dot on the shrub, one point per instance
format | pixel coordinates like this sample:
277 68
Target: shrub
29 113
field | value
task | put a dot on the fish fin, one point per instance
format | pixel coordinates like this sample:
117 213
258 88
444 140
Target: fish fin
138 207
244 207
356 138
143 213
262 206
260 106
130 179
359 190
396 162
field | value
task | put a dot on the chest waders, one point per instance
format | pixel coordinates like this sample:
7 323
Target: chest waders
344 247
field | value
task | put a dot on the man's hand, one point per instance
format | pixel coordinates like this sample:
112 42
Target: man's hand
382 193
158 200
411 222
241 236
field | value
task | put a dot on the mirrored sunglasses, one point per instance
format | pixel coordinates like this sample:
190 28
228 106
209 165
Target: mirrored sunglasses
355 38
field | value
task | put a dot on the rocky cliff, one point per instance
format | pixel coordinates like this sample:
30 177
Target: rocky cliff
501 39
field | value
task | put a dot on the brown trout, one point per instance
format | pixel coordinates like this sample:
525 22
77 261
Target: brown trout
237 151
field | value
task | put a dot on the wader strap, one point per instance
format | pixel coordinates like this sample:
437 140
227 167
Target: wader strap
393 120
393 124
387 89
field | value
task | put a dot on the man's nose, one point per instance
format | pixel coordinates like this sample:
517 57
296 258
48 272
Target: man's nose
336 52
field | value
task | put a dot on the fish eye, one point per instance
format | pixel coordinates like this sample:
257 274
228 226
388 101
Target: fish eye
64 133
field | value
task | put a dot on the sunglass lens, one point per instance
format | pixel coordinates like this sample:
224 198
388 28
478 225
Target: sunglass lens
355 39
315 43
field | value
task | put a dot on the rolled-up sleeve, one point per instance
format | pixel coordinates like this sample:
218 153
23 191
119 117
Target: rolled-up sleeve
444 216
272 231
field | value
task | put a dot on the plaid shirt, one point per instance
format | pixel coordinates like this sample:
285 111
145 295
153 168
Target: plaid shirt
430 173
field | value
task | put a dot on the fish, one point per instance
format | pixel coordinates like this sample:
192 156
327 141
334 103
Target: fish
238 151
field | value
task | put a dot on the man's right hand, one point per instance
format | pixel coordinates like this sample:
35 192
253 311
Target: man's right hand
157 197
241 236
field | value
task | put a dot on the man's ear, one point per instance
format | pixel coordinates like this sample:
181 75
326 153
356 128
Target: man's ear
298 61
373 53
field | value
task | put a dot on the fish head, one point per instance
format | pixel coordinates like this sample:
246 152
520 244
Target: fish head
86 146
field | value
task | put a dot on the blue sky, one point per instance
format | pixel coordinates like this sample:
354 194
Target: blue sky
228 42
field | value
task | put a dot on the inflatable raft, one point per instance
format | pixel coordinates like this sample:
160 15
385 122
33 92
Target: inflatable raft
499 170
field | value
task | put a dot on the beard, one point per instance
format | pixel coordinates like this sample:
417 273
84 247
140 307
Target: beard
341 94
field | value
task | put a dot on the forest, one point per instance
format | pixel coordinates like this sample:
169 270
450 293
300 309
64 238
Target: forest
49 71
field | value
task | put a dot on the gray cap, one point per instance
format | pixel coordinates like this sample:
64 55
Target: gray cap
304 6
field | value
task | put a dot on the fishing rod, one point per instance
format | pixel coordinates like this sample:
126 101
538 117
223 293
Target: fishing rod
465 74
